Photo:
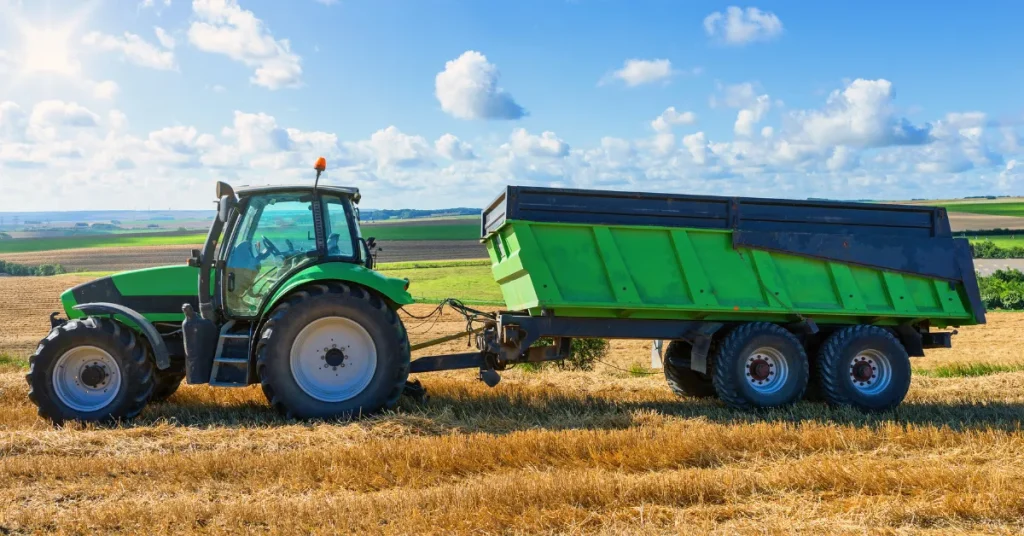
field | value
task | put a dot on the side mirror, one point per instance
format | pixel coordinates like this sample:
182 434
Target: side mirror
224 208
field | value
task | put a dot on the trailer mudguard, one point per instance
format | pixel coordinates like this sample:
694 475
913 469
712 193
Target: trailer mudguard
156 342
392 288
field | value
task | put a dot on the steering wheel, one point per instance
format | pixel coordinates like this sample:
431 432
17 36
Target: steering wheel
270 247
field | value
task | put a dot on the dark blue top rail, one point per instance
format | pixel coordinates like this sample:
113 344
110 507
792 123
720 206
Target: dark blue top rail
602 207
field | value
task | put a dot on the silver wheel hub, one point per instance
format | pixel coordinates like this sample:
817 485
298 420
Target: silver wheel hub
870 372
333 359
766 370
86 378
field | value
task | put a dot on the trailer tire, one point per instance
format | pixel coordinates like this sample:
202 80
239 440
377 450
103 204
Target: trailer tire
378 352
683 380
90 370
864 367
760 365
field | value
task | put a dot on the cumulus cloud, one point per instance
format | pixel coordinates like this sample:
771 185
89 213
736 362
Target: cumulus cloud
57 113
738 26
222 27
133 48
637 72
105 90
165 38
467 88
258 133
453 148
671 117
749 117
392 147
547 145
861 115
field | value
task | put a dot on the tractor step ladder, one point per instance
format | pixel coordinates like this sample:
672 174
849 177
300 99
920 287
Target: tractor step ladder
231 362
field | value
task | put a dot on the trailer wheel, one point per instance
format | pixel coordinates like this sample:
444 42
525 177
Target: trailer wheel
333 350
865 367
90 370
760 365
683 380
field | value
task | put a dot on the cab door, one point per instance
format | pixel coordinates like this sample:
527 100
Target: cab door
274 237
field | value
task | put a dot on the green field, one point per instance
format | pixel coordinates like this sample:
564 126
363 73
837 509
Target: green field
22 245
470 281
993 209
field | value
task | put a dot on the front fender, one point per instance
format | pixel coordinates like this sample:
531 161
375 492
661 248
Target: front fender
156 342
392 288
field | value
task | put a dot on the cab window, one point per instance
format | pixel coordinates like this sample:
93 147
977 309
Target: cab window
336 223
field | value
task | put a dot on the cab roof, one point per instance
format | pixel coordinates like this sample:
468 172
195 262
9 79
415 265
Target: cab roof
245 191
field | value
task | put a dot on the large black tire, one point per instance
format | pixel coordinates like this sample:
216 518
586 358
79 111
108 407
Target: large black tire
166 383
837 376
731 369
683 380
319 301
135 369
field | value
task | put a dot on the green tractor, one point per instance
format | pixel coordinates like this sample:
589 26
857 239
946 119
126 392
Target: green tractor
287 297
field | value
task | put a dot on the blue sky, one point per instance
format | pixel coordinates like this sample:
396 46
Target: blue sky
433 103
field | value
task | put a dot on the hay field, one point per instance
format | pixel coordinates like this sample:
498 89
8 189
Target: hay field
602 452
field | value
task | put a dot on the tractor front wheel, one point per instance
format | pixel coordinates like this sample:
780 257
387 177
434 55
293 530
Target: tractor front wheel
90 370
333 350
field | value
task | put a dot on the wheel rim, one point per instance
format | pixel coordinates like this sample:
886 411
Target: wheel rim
766 370
333 359
86 378
870 372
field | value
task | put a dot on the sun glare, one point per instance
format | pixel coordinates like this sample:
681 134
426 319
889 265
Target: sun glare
46 50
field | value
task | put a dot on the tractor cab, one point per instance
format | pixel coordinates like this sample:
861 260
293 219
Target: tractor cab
271 232
262 239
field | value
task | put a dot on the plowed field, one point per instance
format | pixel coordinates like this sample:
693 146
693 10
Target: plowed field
601 452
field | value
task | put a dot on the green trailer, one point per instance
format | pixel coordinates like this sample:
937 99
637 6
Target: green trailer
761 299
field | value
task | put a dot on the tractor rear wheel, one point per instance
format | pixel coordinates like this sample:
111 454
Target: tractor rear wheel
760 365
90 370
683 380
333 350
865 367
167 382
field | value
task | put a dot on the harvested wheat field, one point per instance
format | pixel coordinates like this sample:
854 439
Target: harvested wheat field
604 452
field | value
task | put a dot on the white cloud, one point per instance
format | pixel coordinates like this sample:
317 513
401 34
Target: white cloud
258 133
165 38
467 88
547 145
671 117
453 148
861 115
636 72
13 121
105 90
133 49
55 113
222 27
749 117
394 148
697 145
153 3
738 26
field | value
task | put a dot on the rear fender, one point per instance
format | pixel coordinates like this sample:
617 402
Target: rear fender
156 342
391 288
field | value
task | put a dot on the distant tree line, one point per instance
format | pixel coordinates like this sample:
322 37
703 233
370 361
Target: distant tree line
408 213
10 268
